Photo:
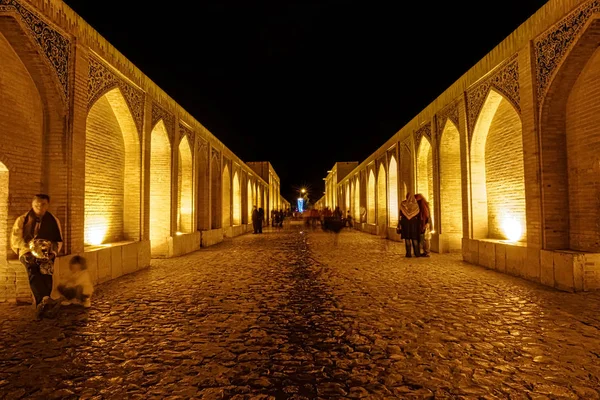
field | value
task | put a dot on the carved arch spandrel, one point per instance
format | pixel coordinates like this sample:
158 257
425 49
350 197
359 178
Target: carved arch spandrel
55 46
185 131
168 118
504 80
551 47
424 130
449 112
102 79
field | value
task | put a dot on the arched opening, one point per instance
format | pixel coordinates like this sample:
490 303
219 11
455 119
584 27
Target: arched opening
215 193
406 171
371 199
425 173
450 187
347 198
570 145
237 200
497 175
356 200
393 206
226 197
4 221
185 188
112 172
259 197
160 195
251 200
381 196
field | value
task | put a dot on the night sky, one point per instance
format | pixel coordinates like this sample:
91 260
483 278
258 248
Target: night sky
304 84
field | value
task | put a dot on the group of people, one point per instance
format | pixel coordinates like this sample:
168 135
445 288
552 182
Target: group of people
415 225
258 219
37 239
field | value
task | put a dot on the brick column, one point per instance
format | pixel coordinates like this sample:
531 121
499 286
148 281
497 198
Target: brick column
465 168
146 152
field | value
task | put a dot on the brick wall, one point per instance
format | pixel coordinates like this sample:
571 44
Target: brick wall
160 199
356 204
226 208
425 173
583 152
505 180
381 197
371 200
450 182
237 199
406 172
215 193
185 196
393 204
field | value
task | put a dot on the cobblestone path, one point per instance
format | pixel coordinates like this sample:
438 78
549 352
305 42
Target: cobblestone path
298 315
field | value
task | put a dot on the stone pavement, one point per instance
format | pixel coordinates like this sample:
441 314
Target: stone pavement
294 315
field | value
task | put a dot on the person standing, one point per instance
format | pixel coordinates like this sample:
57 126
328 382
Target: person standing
409 225
36 238
425 217
261 219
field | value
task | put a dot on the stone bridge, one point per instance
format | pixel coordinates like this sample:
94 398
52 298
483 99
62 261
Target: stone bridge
130 173
508 156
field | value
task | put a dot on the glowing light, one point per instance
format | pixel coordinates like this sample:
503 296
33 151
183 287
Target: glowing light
302 190
512 229
95 230
179 233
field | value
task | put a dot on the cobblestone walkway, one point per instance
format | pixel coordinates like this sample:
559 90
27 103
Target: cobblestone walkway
297 315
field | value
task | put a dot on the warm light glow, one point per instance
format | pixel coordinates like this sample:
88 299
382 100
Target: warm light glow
303 190
512 228
95 230
179 233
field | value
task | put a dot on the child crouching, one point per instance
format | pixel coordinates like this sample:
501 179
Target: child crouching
78 287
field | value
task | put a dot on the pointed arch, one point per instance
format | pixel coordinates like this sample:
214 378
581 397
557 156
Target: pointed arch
251 199
393 205
381 196
185 186
425 173
357 200
160 199
226 197
450 186
112 172
237 199
406 171
371 198
497 174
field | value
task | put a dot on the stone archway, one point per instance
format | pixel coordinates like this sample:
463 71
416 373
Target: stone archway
497 175
226 196
251 200
371 198
5 224
356 200
406 171
160 199
185 187
450 187
237 199
112 172
381 196
570 145
393 205
425 174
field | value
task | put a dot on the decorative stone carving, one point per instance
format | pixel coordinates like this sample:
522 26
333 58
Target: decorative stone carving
159 113
185 131
551 46
53 45
202 147
102 79
504 80
450 112
424 130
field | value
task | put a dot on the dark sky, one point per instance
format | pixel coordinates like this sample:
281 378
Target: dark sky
304 84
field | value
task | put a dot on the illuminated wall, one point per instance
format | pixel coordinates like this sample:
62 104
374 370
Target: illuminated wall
356 200
4 222
237 199
346 198
160 199
216 193
393 205
381 196
425 173
450 186
497 175
112 172
406 171
371 198
226 208
251 200
185 209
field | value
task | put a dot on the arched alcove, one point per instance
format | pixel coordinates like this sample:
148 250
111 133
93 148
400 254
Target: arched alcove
451 186
251 200
381 196
371 198
112 172
406 171
237 199
356 200
425 173
160 195
5 224
393 206
185 186
226 207
497 174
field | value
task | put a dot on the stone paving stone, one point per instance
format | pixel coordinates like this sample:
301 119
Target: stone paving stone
293 314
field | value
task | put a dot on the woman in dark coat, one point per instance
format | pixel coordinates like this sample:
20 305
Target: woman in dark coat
410 224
